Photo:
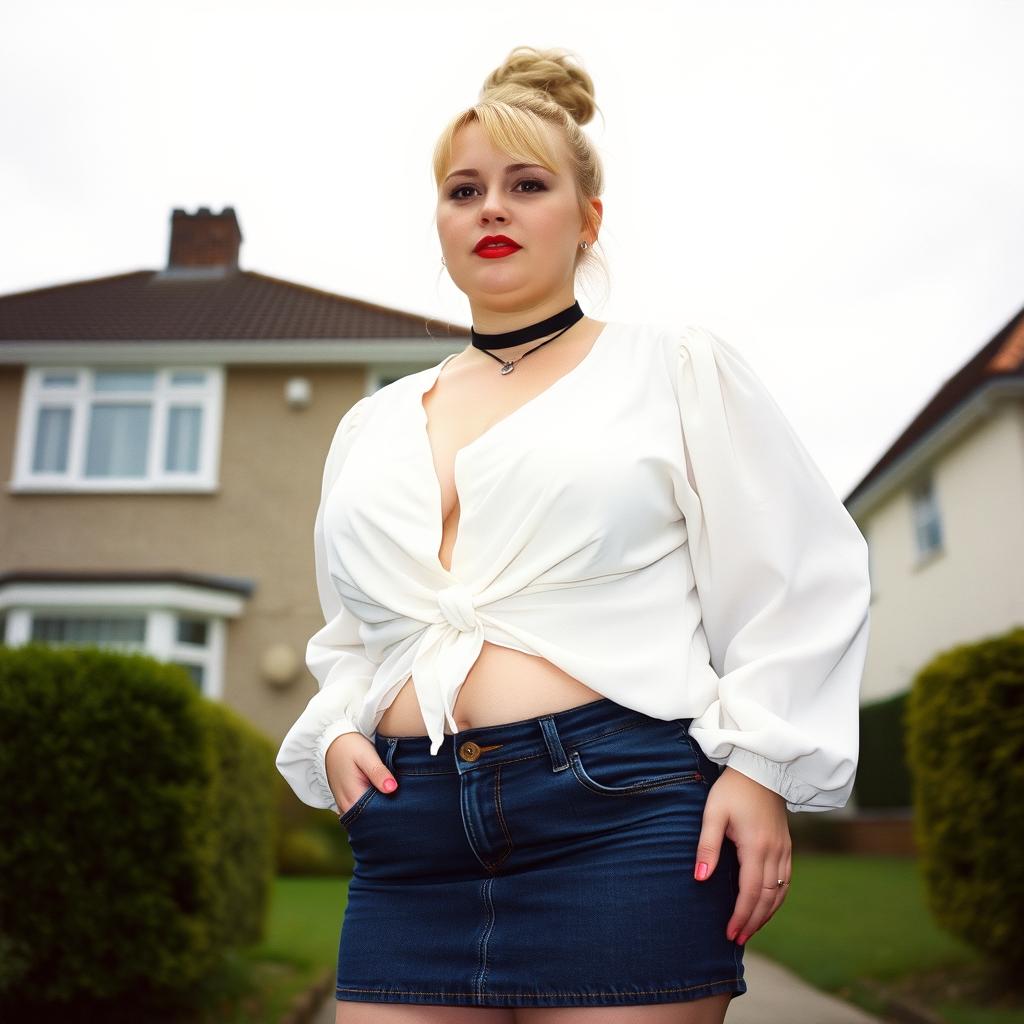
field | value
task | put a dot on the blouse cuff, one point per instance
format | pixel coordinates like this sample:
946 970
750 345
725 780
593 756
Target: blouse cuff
318 766
799 796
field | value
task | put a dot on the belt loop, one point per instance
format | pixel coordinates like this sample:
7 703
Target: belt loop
559 762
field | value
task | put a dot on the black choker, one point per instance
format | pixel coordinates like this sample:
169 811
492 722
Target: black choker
560 322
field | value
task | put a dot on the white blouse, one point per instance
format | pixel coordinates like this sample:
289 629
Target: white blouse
650 524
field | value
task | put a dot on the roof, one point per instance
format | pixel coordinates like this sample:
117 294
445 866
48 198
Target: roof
1002 358
209 581
202 304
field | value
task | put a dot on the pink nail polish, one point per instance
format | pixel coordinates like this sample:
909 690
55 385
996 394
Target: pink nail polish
742 939
389 785
702 871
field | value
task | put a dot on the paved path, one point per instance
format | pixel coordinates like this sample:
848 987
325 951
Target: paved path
775 995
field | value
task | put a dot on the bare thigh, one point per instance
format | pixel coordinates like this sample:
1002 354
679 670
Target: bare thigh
354 1012
708 1010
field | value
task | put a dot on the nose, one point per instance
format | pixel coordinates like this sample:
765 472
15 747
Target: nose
494 207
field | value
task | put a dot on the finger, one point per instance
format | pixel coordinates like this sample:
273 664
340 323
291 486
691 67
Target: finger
786 874
767 900
752 861
780 892
709 845
377 772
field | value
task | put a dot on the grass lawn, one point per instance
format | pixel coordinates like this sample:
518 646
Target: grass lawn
851 922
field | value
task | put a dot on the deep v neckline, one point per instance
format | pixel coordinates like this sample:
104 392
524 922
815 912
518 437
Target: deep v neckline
424 433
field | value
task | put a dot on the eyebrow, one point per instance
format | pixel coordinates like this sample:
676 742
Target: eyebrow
469 171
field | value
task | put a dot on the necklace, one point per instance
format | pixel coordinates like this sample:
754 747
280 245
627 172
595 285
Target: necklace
563 320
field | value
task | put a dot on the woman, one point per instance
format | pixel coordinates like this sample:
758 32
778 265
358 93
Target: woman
594 621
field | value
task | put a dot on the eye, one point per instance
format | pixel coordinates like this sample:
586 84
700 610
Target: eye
541 187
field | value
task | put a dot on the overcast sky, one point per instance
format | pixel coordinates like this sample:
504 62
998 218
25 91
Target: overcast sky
833 187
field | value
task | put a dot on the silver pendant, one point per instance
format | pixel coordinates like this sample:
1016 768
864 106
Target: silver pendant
507 367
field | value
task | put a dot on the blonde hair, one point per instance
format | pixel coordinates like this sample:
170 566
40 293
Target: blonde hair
532 88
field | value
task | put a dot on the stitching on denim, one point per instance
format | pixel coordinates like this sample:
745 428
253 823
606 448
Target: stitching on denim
479 985
493 866
631 724
468 821
697 757
553 744
492 762
361 802
535 995
637 787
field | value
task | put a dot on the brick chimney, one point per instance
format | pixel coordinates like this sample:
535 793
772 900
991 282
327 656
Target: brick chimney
204 239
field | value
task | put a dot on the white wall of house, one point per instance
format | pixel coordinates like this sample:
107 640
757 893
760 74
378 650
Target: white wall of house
972 586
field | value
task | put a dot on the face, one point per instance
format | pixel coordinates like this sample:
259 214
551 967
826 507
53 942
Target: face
532 206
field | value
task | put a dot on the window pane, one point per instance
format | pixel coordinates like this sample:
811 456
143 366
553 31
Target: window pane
124 380
187 378
118 440
927 521
110 630
60 379
183 424
192 631
53 430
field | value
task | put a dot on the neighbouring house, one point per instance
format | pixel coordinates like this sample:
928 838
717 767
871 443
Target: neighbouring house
942 511
163 435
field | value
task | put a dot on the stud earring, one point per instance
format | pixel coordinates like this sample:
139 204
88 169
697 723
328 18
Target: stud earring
583 245
444 261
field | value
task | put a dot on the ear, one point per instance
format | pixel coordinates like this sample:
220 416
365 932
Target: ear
598 206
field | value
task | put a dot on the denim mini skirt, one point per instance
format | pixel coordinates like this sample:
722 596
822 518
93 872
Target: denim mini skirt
544 862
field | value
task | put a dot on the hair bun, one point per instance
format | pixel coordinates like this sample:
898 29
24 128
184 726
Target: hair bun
549 71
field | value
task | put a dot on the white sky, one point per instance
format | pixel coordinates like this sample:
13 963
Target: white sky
834 187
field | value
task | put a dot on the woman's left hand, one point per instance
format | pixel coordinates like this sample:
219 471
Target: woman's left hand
754 818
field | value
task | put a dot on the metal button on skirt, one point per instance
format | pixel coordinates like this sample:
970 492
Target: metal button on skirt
544 862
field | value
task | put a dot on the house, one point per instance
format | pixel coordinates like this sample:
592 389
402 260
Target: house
163 435
942 511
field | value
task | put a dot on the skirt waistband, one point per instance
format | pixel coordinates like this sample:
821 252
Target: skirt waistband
490 745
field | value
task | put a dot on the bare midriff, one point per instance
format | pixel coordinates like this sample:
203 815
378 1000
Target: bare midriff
469 396
502 686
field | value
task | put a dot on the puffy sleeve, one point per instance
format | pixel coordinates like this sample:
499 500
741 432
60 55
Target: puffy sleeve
781 571
334 654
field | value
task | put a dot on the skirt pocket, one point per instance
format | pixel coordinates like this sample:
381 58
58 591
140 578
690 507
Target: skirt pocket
346 818
635 759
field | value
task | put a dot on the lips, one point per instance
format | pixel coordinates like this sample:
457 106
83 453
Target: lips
493 252
496 245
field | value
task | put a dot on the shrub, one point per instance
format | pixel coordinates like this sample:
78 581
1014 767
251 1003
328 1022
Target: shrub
965 741
136 832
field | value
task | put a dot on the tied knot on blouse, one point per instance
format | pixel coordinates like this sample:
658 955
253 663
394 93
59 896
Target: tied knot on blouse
458 606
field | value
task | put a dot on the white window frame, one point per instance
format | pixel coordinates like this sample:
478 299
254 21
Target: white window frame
925 511
160 603
82 395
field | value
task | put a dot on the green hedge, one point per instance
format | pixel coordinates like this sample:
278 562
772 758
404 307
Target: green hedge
965 740
137 833
883 776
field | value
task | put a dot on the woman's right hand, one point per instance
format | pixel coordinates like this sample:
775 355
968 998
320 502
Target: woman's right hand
353 764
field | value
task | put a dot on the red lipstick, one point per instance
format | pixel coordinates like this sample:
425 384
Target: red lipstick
495 246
